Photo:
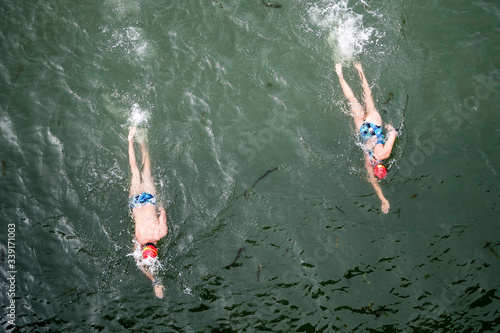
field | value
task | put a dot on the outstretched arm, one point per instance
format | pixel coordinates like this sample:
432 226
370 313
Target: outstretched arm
157 285
371 178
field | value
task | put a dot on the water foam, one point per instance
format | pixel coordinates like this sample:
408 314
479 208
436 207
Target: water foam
138 116
130 42
346 34
153 265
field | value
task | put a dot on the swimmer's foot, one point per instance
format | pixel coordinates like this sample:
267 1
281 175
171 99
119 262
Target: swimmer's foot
131 133
338 69
144 146
358 66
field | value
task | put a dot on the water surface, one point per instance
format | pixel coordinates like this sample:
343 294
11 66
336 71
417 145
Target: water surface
225 90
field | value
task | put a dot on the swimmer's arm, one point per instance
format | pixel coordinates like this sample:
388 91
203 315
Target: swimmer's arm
158 287
376 186
148 274
162 232
389 143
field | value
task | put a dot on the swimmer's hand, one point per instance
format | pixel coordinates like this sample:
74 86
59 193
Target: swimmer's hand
132 132
159 290
385 206
390 129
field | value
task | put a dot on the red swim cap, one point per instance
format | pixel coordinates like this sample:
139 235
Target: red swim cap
380 171
149 251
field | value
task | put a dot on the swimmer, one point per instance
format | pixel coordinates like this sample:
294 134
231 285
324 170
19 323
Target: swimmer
150 226
369 124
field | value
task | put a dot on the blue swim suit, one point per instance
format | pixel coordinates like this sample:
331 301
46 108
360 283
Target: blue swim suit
367 131
139 200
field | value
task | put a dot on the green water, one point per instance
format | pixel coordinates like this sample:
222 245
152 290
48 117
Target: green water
228 90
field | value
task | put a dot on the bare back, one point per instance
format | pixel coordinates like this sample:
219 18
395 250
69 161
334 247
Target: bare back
149 228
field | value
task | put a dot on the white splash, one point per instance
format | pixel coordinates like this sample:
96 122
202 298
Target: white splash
346 34
130 42
151 264
138 116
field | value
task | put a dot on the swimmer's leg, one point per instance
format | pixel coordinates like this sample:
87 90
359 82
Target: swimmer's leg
372 114
147 179
357 110
135 183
